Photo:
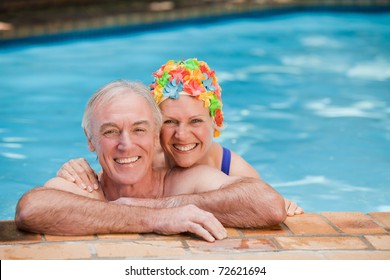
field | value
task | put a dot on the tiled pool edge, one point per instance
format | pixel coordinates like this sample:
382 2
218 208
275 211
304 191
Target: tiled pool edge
318 236
152 19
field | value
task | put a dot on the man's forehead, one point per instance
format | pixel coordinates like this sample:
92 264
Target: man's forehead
124 104
132 109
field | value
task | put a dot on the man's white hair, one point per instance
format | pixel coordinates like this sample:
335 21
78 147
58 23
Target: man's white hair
118 88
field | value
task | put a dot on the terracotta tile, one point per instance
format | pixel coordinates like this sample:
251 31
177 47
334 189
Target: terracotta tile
59 238
309 223
233 232
155 236
354 222
229 245
274 230
121 236
9 234
140 249
382 217
357 255
321 242
45 251
380 242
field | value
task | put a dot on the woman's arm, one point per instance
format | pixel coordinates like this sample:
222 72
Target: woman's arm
240 167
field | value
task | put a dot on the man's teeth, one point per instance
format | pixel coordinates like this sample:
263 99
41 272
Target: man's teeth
126 160
185 148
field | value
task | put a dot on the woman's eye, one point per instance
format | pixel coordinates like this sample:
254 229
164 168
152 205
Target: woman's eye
169 122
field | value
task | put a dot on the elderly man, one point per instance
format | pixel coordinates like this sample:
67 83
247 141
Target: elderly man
122 126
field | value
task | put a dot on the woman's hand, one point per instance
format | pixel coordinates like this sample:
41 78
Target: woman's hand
292 208
78 171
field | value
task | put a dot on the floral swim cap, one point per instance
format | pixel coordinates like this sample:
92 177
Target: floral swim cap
189 77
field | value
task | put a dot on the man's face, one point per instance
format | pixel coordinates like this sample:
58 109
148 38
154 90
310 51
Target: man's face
124 138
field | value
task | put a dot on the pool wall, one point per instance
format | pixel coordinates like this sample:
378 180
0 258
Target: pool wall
36 21
311 236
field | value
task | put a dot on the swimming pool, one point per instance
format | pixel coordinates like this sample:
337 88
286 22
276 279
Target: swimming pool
306 101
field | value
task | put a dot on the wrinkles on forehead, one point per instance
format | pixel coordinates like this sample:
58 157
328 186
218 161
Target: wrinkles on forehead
143 123
122 112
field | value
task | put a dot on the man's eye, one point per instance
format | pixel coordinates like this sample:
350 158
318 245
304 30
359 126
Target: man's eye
140 130
110 132
196 121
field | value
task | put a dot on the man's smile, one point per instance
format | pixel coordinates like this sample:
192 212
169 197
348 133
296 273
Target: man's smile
127 160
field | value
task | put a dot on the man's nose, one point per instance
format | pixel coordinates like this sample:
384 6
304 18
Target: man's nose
125 141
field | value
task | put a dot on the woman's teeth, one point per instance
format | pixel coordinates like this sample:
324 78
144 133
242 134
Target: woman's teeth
184 148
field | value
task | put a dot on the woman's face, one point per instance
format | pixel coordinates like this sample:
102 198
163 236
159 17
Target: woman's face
187 131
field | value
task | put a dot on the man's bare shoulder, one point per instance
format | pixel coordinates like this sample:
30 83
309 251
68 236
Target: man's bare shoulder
64 185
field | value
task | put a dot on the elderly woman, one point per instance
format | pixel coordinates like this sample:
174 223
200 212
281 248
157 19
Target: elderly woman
189 96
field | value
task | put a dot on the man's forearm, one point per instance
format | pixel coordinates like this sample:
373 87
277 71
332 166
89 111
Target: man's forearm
247 202
51 211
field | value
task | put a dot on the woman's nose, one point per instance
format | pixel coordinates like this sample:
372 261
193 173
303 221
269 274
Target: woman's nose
181 131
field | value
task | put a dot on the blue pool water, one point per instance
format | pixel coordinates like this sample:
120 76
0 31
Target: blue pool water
306 101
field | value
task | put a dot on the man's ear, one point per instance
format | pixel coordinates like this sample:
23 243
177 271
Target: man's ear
157 143
90 145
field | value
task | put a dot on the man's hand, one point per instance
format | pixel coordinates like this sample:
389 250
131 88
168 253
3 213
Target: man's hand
78 171
189 218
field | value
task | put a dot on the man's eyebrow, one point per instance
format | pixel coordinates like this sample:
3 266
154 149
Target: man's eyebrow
108 124
111 124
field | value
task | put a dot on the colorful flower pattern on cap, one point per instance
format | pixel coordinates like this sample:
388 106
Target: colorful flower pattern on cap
193 77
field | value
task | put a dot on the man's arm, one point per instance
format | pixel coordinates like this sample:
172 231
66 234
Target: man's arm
245 202
235 202
54 211
80 172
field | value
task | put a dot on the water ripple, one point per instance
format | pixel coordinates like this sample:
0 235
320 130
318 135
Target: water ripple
362 109
13 156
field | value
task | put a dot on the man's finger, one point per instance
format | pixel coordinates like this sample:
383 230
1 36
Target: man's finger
211 225
201 232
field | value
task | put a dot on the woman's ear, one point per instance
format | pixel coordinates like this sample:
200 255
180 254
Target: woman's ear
90 145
